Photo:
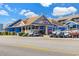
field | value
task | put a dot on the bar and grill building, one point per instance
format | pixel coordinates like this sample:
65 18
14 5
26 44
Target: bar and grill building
39 24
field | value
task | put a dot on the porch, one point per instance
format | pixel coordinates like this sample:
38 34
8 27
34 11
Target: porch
43 29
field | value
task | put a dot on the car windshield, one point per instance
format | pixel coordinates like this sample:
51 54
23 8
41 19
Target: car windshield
58 32
35 32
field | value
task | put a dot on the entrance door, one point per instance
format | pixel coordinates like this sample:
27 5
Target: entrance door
49 29
42 29
18 29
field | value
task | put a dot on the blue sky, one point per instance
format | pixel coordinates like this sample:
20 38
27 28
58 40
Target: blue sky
10 12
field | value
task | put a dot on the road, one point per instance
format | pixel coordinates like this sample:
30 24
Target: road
23 46
16 51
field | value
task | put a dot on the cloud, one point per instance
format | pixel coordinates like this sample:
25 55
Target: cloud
28 13
24 11
7 7
3 12
60 11
45 4
15 10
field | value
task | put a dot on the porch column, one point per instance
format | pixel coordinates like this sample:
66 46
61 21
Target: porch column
22 29
46 30
56 28
68 27
25 28
76 26
30 27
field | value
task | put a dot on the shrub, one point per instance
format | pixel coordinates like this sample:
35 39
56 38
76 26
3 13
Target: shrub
6 33
21 33
26 34
0 33
9 33
13 33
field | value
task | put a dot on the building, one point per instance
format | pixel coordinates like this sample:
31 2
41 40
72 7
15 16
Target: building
44 25
70 22
1 27
40 24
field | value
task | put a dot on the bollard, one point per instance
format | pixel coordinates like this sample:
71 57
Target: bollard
46 37
17 34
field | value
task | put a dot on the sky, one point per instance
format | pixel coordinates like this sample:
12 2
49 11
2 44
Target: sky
10 12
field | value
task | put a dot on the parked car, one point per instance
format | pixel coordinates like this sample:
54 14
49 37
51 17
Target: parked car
30 33
55 34
67 34
60 34
36 34
33 34
74 33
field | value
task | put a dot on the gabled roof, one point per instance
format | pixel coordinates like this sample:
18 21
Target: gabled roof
54 22
30 20
24 22
33 19
18 24
12 24
71 23
42 20
68 19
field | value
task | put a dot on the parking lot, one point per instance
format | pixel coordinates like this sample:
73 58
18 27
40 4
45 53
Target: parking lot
41 46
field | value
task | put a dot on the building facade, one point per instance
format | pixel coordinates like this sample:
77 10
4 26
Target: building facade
40 24
70 22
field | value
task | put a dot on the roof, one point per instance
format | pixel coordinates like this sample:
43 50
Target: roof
33 19
68 18
54 22
13 23
30 20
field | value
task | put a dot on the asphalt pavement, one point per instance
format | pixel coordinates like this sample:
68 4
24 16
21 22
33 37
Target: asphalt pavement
37 46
